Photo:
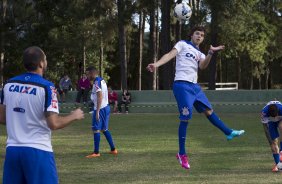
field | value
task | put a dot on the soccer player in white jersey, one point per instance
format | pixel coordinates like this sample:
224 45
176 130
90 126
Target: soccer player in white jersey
101 113
186 90
29 108
271 118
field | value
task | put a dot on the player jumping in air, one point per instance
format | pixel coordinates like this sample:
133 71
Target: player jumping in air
186 90
271 117
101 114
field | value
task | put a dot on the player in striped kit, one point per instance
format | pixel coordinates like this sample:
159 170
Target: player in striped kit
271 118
29 109
186 90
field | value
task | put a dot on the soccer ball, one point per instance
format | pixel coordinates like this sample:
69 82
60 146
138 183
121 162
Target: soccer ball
182 11
279 166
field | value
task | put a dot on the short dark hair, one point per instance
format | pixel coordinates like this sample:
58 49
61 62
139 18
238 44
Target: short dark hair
32 56
91 69
197 28
273 110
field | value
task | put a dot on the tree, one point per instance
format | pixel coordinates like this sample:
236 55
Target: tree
122 43
166 71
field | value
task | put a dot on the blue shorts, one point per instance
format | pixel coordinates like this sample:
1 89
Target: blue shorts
29 165
187 95
103 124
273 129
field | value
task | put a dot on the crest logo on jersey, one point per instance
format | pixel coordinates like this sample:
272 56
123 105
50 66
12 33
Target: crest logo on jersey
27 78
22 89
185 111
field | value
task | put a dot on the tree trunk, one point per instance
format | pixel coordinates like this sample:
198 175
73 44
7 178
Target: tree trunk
153 42
166 71
122 43
252 77
3 9
101 61
239 72
141 43
214 39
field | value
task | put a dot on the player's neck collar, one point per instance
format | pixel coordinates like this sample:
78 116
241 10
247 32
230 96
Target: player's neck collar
190 43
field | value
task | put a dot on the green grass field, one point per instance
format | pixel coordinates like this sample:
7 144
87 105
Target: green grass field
147 144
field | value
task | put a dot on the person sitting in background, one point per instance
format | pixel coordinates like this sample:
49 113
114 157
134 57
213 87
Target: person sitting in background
125 99
83 89
65 85
113 98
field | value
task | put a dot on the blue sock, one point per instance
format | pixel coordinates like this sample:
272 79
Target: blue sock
109 139
96 142
182 136
280 146
214 119
276 158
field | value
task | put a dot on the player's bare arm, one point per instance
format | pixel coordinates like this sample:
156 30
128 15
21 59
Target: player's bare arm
266 131
55 121
99 102
204 63
3 114
166 58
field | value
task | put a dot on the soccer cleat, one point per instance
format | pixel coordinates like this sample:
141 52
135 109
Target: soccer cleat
114 152
235 133
183 160
93 155
280 155
275 168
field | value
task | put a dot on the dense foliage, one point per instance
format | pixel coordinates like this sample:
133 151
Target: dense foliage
111 35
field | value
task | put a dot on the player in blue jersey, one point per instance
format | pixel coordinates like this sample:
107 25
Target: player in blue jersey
186 90
101 113
29 109
271 118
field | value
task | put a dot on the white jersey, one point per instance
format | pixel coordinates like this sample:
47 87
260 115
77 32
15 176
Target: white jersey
266 118
27 97
99 85
187 61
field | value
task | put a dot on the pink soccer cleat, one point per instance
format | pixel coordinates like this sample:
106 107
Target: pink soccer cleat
183 160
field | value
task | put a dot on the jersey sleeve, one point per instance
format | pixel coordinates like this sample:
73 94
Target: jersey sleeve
264 118
178 46
51 103
97 85
202 56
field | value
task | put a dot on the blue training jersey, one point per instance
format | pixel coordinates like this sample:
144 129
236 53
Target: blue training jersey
265 117
26 98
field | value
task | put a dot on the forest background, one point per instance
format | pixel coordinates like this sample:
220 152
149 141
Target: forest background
120 38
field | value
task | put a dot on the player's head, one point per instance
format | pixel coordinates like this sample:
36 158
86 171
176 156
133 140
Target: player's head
92 72
34 59
273 110
197 35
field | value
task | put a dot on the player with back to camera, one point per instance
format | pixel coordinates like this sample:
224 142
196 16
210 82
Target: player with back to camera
29 108
101 113
271 118
186 90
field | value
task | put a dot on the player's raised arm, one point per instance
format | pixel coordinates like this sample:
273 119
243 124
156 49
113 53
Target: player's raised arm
205 62
166 58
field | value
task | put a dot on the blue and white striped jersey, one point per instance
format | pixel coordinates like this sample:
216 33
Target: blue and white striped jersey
27 97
